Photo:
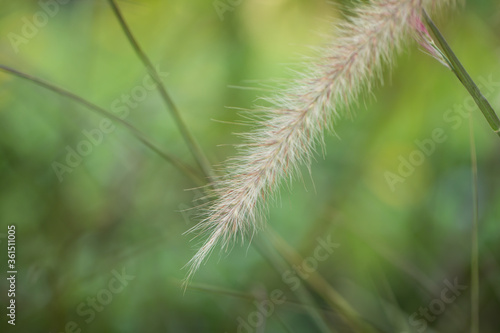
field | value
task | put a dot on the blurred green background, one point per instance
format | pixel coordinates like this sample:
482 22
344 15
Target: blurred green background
123 210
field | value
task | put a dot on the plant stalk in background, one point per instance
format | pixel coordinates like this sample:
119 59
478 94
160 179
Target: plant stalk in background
193 146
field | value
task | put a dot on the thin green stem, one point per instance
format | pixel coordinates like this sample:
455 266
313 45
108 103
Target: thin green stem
195 149
464 77
302 293
246 296
322 287
184 168
474 238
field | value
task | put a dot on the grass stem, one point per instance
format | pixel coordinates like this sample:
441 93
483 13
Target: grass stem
474 238
322 287
464 77
195 149
181 166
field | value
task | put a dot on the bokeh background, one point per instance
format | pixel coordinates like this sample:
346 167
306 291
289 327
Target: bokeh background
124 210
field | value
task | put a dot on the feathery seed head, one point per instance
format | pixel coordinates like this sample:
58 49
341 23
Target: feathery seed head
294 123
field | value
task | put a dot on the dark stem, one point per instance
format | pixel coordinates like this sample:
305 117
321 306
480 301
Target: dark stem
465 78
187 170
195 149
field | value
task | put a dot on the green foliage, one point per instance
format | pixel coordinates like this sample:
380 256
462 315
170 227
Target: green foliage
123 207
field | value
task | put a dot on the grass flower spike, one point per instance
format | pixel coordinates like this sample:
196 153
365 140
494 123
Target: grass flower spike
294 124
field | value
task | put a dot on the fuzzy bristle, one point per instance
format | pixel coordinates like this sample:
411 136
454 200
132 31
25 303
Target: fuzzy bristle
294 124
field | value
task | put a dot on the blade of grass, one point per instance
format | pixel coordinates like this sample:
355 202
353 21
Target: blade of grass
493 274
302 293
283 324
241 295
322 287
404 265
195 149
474 237
181 166
464 77
390 305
